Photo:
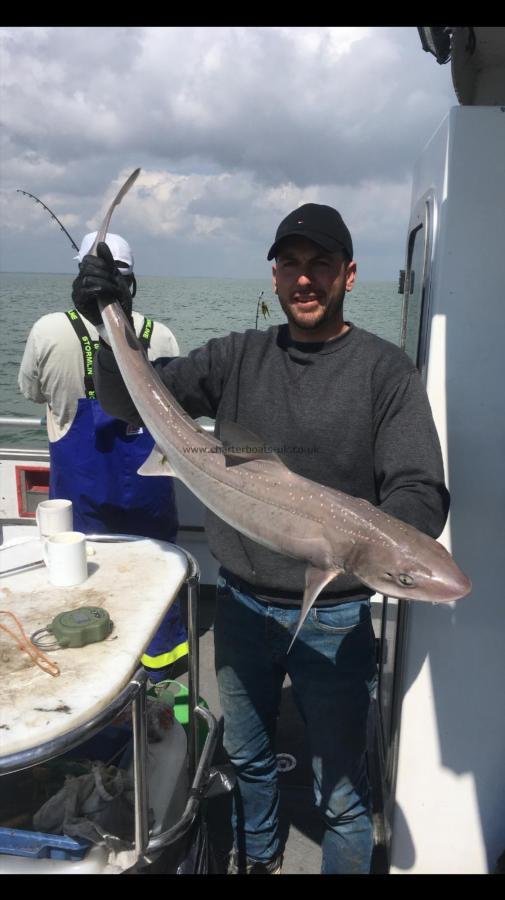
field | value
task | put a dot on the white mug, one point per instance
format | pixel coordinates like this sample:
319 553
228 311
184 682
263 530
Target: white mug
65 558
54 516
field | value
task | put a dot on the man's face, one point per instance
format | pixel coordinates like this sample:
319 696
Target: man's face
311 285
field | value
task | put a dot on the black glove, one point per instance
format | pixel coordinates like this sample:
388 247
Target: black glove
99 276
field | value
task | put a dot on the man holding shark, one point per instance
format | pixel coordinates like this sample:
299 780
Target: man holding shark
341 408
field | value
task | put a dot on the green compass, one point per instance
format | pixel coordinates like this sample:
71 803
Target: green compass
78 627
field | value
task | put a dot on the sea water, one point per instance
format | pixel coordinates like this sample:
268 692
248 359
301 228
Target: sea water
195 309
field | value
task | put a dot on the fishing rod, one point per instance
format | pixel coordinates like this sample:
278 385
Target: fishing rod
53 216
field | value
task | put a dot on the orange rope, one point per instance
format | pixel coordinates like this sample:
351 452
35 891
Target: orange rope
25 644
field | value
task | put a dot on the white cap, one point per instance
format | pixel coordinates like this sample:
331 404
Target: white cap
117 245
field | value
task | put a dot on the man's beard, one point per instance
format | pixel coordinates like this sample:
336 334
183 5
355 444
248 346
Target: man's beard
331 311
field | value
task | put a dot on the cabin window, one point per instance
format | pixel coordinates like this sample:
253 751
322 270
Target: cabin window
413 294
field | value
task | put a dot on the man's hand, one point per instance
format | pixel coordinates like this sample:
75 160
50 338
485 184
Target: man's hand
99 277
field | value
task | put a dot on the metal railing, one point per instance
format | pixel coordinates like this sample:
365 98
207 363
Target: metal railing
34 422
23 421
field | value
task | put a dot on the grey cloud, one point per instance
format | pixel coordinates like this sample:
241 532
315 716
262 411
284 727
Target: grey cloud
269 112
273 116
260 105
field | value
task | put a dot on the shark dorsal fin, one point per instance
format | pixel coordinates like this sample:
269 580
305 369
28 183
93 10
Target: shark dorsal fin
241 445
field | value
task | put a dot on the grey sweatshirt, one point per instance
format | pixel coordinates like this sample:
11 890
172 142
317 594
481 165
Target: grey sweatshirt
351 413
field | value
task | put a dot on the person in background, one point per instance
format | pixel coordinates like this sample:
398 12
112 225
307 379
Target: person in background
95 457
348 410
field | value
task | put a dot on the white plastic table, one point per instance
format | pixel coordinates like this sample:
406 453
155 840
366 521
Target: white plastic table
41 716
136 582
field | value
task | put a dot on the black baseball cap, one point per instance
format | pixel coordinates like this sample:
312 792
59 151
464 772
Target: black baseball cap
321 224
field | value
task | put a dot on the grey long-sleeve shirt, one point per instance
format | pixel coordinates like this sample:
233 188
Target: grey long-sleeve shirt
351 413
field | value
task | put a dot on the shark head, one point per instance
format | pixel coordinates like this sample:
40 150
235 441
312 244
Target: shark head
420 569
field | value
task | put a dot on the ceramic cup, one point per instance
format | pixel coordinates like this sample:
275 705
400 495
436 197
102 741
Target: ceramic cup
54 516
65 558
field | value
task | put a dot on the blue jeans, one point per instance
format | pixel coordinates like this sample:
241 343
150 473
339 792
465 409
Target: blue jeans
333 674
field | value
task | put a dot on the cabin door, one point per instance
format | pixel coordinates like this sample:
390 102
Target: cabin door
414 333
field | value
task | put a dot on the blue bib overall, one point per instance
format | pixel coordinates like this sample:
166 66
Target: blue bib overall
95 466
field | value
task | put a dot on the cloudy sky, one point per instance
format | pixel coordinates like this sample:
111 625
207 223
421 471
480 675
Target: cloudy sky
232 127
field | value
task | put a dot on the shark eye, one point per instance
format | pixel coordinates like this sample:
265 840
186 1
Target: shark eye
407 580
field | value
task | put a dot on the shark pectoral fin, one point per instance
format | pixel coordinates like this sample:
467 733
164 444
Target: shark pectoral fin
315 581
156 464
241 445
